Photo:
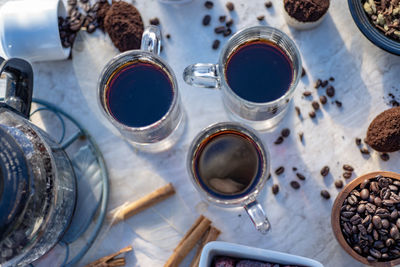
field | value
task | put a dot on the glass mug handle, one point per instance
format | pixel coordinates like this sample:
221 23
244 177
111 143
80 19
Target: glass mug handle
203 75
257 216
151 40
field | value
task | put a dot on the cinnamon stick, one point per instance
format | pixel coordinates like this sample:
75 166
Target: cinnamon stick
188 242
211 235
143 203
195 224
110 260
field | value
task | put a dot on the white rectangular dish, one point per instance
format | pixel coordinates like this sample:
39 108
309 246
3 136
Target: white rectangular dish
218 248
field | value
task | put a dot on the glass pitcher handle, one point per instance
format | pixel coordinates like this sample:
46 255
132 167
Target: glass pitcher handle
257 216
202 75
151 40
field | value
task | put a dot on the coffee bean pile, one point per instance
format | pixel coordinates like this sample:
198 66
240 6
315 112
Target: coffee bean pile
81 16
370 219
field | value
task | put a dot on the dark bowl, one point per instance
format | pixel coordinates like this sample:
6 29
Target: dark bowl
369 30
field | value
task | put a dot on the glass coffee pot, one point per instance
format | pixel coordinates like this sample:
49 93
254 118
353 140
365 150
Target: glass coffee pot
37 181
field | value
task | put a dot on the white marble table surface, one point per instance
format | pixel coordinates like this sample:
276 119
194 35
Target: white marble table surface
300 218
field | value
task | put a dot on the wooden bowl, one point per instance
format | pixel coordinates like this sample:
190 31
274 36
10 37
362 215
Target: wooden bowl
335 217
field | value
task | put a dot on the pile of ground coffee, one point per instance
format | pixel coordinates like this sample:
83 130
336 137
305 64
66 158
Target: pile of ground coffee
306 10
124 25
383 133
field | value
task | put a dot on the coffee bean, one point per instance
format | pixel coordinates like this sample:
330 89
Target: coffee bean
206 20
298 111
155 21
375 253
295 184
312 114
280 170
371 259
315 105
275 189
303 70
338 103
383 182
394 215
279 140
222 18
330 91
371 208
285 132
364 194
324 83
219 29
261 18
377 222
374 187
347 214
230 6
356 219
361 208
215 44
388 202
324 171
323 99
268 4
358 141
300 176
347 175
362 229
364 151
357 249
227 32
364 184
389 242
352 200
325 194
378 201
385 223
318 84
339 183
91 28
348 167
229 23
331 79
394 233
306 93
385 156
72 2
209 4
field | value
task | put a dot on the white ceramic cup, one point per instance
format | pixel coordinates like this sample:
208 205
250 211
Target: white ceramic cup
29 30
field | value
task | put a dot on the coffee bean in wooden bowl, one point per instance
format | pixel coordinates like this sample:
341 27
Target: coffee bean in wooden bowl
366 219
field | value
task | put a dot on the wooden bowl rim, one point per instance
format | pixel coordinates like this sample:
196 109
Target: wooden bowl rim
335 217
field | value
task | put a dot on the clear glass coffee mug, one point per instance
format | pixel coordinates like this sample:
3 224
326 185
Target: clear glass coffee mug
245 198
261 116
165 132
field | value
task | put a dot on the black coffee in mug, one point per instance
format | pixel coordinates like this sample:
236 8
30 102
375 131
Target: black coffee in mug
139 94
228 164
259 71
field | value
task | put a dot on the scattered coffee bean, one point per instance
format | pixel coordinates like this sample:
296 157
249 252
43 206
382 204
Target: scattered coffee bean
229 23
315 105
279 140
347 175
385 156
294 169
219 29
168 36
285 132
275 189
91 28
209 4
215 44
227 32
338 103
324 171
325 194
295 184
348 167
323 99
339 183
358 141
261 18
332 79
222 18
155 21
206 20
364 151
330 91
268 4
307 93
318 84
230 6
280 170
298 111
312 114
324 83
303 70
72 2
300 176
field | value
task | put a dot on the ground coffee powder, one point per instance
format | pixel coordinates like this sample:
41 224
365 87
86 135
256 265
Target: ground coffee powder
124 25
383 133
306 10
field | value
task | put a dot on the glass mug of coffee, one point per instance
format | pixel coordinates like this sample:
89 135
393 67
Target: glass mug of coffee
229 165
138 93
258 71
